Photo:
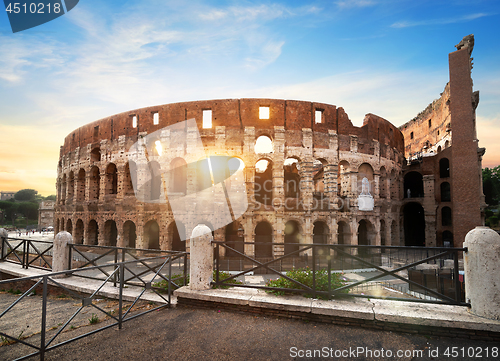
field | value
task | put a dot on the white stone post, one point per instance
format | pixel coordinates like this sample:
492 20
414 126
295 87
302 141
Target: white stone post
482 267
201 263
60 258
3 234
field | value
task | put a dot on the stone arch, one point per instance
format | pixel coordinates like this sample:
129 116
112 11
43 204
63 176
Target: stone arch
155 180
318 175
178 175
293 236
94 184
129 234
71 185
414 224
413 185
264 145
365 236
110 233
95 154
152 235
447 239
444 168
263 240
93 232
79 232
291 169
263 185
446 216
343 233
365 170
234 238
321 232
130 178
445 192
111 179
80 191
177 232
69 226
344 186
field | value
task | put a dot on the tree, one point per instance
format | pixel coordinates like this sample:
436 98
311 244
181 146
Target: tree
491 185
52 197
26 195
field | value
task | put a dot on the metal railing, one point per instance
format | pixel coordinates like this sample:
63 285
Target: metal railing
117 275
385 262
27 252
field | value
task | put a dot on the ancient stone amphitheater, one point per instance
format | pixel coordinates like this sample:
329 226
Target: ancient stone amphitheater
306 169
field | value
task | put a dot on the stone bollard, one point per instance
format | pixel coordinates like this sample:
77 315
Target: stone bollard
482 267
60 258
3 234
201 262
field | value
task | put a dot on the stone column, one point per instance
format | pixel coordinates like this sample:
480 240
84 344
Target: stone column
60 258
3 234
201 264
482 266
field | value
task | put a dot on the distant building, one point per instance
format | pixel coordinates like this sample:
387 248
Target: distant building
46 214
5 196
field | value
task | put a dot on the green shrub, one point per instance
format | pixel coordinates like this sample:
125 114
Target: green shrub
93 319
178 279
305 276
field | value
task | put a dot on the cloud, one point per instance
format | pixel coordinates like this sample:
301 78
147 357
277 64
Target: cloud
461 19
346 4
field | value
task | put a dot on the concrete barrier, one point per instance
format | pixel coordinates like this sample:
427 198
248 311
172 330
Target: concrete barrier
3 234
482 272
201 263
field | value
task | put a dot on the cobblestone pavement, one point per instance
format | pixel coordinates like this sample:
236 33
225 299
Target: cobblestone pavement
182 333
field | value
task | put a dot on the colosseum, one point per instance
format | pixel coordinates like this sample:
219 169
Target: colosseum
307 175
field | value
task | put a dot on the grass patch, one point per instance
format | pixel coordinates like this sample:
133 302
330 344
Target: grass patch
305 276
93 319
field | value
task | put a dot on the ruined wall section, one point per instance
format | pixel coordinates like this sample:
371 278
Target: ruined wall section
430 131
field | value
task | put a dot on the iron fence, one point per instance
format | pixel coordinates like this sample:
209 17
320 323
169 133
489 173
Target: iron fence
377 263
27 252
116 274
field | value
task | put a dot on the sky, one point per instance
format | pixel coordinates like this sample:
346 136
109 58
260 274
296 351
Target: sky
386 57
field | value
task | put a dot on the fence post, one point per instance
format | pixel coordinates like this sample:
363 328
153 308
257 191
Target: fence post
201 264
482 267
60 258
3 237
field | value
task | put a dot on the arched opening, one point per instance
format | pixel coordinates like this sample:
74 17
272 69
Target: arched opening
95 155
444 168
447 239
445 192
110 233
364 236
383 183
111 179
318 172
394 234
292 236
93 232
292 178
264 181
446 144
152 235
80 192
69 226
263 240
343 233
414 225
129 234
94 184
130 178
234 237
71 185
344 186
79 231
365 171
63 225
263 145
178 175
446 216
320 233
439 149
413 185
178 244
155 183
